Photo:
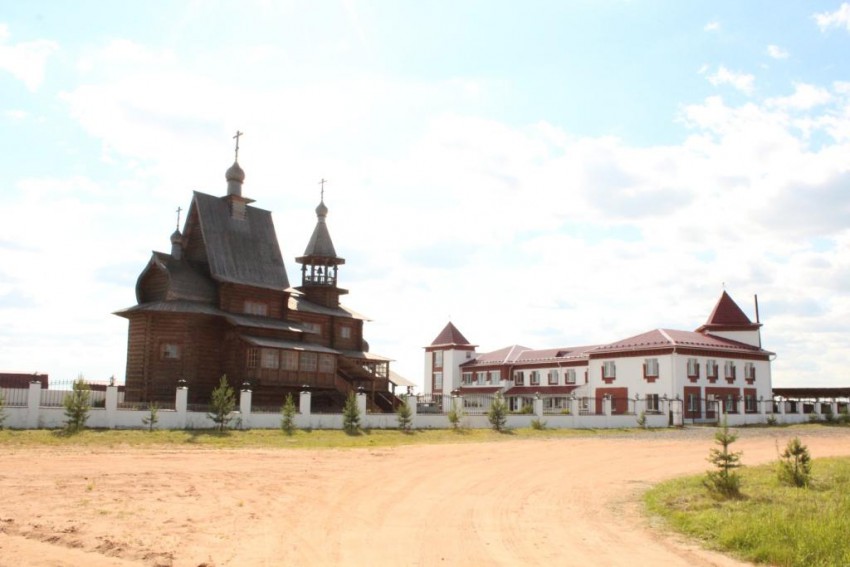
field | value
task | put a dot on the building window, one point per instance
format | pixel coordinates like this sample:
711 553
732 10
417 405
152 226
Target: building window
345 332
438 380
495 376
313 328
571 376
255 308
750 404
609 369
466 377
327 363
480 377
650 366
750 371
289 360
553 377
519 378
729 369
535 378
438 359
253 358
693 403
653 403
711 368
169 351
693 367
270 358
308 362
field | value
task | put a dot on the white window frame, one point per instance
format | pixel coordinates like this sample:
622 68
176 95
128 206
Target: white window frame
438 359
495 376
693 367
251 307
609 369
729 369
480 377
711 368
570 376
534 378
345 332
749 371
519 378
553 378
466 378
653 403
438 380
651 365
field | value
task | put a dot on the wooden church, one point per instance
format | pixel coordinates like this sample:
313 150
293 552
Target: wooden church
221 304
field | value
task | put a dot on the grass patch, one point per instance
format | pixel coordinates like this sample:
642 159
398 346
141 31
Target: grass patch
772 523
274 438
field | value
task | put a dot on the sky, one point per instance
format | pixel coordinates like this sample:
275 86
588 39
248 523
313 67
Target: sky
539 173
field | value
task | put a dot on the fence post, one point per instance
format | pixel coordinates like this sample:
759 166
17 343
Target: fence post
572 406
111 405
181 400
742 406
606 405
537 404
245 406
780 405
411 403
801 409
33 403
304 402
361 402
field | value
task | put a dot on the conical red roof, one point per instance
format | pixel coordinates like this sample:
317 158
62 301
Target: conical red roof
727 314
450 336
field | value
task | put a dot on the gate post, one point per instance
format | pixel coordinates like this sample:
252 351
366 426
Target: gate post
245 406
33 404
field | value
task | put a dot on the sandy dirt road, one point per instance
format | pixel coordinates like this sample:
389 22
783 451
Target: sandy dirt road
529 502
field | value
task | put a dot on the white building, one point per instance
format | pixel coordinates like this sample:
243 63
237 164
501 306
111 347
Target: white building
721 362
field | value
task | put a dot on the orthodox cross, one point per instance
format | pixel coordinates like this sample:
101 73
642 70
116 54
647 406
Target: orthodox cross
178 217
236 137
322 183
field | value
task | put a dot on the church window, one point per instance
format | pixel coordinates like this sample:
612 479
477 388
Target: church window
253 358
256 308
170 351
345 332
327 364
270 358
289 360
314 328
308 362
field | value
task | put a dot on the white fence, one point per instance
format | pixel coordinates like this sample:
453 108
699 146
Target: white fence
35 408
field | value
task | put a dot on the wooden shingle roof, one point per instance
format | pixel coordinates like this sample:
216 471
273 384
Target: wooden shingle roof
243 251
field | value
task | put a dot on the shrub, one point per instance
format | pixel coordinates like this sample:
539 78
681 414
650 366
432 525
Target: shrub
455 415
795 464
152 418
538 424
844 416
724 480
404 415
287 415
77 406
497 415
771 420
641 420
351 415
222 404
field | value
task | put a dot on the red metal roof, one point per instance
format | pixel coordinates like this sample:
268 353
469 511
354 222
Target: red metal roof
727 314
542 390
661 338
450 336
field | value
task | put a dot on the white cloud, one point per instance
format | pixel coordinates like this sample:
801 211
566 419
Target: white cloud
805 97
777 52
837 19
743 82
712 26
16 114
26 60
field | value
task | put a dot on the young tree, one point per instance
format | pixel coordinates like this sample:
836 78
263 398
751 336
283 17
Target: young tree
152 419
404 415
351 415
795 466
498 413
724 480
455 415
77 405
287 415
222 404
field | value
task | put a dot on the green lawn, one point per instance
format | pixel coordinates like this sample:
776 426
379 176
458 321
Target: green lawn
266 438
772 523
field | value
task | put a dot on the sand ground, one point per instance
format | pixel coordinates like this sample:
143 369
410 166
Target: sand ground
528 502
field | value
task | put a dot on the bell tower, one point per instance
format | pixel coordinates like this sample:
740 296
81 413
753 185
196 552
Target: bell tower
320 264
